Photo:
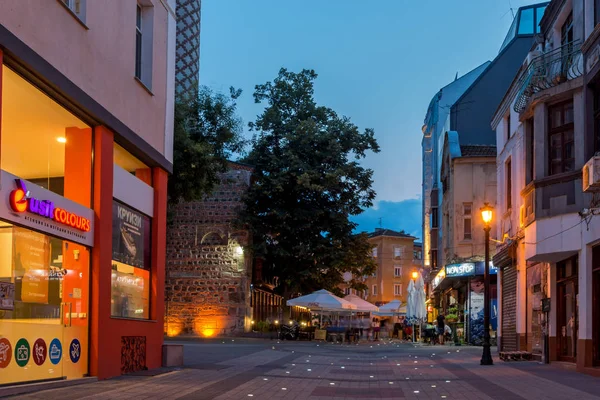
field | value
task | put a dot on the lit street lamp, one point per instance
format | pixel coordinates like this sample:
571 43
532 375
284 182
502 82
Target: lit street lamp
486 214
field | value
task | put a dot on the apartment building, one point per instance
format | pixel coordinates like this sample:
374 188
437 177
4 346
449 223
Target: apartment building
547 128
397 257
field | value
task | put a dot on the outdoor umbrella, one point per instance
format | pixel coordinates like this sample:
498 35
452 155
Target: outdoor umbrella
420 309
410 308
361 305
322 300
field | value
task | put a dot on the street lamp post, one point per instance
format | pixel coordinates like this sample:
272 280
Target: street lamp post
486 215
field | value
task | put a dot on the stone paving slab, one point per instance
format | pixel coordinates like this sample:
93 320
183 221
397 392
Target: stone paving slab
308 370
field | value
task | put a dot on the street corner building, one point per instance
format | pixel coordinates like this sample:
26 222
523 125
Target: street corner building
86 100
547 132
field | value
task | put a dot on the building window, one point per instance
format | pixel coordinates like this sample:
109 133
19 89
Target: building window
398 251
560 136
347 291
596 12
467 215
138 42
143 44
77 7
434 260
507 125
375 251
397 271
508 172
597 117
397 289
434 217
530 150
374 290
567 30
130 263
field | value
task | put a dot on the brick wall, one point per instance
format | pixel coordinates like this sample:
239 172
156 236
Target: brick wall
208 276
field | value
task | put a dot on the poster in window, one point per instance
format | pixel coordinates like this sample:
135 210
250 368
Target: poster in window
30 257
7 296
131 236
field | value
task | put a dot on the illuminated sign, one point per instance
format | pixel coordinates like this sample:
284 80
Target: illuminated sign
463 269
21 200
438 278
480 266
31 206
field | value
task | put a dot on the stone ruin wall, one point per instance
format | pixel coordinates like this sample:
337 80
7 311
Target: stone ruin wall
208 277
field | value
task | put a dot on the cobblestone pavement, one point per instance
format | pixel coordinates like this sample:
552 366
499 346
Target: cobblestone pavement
263 369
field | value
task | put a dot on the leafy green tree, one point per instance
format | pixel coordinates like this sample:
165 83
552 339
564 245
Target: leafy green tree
207 131
307 182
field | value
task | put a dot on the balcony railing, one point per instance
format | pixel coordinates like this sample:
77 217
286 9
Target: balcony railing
548 70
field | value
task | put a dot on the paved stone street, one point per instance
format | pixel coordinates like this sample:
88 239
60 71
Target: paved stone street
263 369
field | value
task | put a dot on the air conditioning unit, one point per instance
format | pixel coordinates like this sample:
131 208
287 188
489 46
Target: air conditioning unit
591 175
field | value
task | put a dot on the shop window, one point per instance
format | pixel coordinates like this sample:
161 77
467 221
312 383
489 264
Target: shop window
535 294
44 143
131 164
44 299
130 297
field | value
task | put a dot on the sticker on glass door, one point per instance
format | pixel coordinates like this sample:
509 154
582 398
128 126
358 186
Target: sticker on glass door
5 353
40 351
75 351
22 352
55 352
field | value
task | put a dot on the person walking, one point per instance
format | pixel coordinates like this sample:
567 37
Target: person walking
441 326
375 326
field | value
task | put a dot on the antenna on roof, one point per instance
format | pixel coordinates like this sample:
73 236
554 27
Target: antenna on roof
380 225
456 77
511 9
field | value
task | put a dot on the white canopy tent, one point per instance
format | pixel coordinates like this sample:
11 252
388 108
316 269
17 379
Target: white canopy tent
361 305
322 300
393 308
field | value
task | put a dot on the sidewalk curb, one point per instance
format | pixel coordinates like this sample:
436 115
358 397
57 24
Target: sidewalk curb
36 387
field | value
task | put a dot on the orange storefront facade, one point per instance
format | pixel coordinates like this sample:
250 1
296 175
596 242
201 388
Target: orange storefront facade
82 230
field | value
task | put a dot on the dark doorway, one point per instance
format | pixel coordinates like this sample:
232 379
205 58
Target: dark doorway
596 305
567 312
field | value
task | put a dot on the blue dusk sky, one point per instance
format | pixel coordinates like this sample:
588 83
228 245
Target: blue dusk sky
379 62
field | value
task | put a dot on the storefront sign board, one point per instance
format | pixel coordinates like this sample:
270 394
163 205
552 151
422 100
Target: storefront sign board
438 279
458 270
480 266
32 206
